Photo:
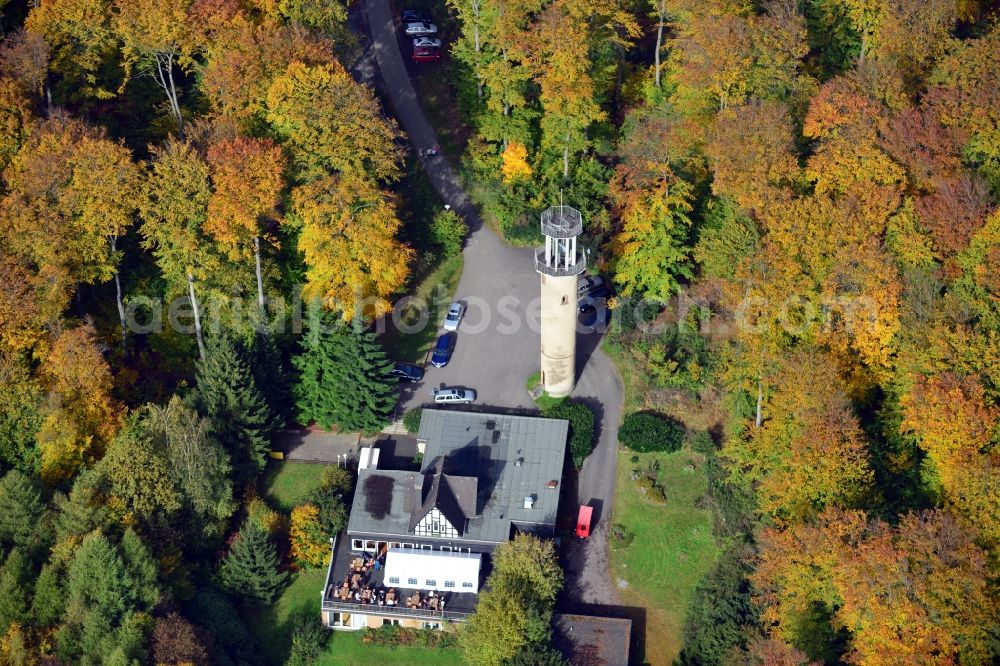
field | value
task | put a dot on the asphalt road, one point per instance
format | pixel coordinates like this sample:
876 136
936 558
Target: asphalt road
497 344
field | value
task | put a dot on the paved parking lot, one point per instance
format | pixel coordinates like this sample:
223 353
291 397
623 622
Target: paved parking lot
493 354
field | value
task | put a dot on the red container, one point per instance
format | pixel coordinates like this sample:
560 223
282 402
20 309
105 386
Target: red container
583 521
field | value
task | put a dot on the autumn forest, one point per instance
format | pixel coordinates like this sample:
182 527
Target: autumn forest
797 203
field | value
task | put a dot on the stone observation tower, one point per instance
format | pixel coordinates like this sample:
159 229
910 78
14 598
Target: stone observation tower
560 263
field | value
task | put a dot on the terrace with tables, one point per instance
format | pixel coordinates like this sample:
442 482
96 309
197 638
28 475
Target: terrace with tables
356 585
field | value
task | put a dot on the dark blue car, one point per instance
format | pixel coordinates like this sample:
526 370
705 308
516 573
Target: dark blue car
442 350
407 372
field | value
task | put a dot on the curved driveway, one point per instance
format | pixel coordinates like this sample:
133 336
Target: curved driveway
497 346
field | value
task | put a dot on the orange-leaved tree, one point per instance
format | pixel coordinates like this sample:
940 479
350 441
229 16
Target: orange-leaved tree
915 593
71 194
247 180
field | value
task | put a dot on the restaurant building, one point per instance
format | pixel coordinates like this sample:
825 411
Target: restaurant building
417 546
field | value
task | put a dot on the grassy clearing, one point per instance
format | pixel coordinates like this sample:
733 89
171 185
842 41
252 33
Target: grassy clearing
544 401
288 484
435 291
672 546
346 649
272 625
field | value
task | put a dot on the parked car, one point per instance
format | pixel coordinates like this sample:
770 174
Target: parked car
407 372
454 317
425 54
453 395
442 350
592 285
429 42
419 28
414 16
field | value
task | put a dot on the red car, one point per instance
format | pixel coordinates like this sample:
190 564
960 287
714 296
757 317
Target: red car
426 54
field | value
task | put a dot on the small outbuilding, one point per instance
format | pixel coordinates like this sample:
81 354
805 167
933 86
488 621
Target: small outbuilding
591 639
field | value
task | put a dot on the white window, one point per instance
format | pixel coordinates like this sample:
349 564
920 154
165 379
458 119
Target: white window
432 625
431 583
449 583
436 527
386 622
408 545
370 546
427 546
411 581
393 544
357 544
394 580
466 584
446 549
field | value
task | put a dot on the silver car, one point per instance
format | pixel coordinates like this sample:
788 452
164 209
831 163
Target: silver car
426 42
455 396
454 317
420 29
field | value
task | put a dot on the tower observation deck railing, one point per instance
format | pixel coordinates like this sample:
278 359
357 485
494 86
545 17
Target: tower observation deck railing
577 267
562 222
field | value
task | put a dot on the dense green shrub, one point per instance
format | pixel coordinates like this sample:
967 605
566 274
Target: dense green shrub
231 641
651 489
449 230
721 610
411 419
702 442
621 536
581 428
389 634
646 432
308 641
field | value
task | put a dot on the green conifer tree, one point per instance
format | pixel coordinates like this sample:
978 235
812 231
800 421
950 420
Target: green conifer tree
22 512
15 586
343 378
109 594
251 567
228 396
270 371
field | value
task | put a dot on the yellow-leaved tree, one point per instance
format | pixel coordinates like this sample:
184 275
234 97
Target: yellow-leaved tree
810 451
310 547
958 427
81 417
354 261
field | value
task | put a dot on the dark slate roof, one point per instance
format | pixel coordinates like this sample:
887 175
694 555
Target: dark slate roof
454 497
488 463
590 639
